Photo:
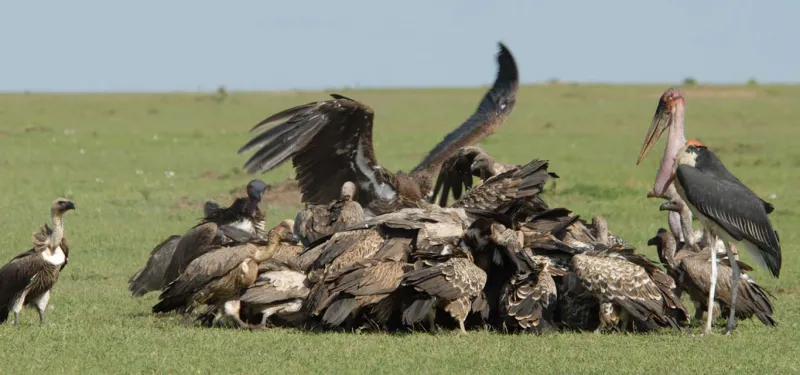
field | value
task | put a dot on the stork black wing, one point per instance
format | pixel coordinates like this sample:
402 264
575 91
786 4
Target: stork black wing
733 207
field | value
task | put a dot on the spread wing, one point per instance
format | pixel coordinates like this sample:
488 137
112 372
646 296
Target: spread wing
329 142
492 111
733 207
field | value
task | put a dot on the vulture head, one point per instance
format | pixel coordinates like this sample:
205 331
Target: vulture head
288 233
348 191
255 190
665 245
60 206
273 240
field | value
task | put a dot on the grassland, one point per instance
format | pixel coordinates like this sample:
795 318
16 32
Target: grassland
139 167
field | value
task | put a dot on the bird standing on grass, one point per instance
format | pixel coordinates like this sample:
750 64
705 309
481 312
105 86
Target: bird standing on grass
728 210
30 276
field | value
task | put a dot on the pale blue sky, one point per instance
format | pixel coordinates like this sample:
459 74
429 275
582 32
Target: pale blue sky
167 45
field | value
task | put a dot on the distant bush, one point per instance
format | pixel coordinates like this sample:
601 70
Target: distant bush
689 81
553 81
752 81
222 94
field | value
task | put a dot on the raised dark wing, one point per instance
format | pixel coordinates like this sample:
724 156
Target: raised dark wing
329 142
492 111
733 207
525 181
456 174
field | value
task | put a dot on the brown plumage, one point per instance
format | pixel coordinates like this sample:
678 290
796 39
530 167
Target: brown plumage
241 222
330 142
366 283
29 277
528 299
218 277
279 293
319 220
692 272
152 276
457 173
630 289
453 284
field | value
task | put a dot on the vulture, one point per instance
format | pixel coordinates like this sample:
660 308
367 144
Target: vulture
330 142
289 249
367 283
152 276
319 220
692 272
218 277
277 292
241 222
467 162
452 282
29 277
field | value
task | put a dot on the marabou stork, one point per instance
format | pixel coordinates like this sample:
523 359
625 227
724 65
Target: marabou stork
728 210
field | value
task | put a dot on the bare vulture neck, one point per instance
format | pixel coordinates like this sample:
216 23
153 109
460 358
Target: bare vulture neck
58 229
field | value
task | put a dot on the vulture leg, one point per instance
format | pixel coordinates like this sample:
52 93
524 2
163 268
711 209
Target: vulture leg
432 319
232 308
712 285
735 285
16 319
41 317
461 326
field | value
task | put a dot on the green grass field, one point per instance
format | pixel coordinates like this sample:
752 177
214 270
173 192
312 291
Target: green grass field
139 167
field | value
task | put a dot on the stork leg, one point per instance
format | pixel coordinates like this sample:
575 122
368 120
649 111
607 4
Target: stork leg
712 285
735 285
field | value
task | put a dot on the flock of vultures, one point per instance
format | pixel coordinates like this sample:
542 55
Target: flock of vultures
377 250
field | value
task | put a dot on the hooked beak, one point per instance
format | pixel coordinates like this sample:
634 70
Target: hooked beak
652 242
669 206
69 206
661 121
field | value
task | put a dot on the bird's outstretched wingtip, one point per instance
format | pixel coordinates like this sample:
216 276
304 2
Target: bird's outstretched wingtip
506 62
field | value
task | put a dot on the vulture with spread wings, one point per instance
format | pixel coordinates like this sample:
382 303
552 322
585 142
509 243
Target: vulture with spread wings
330 142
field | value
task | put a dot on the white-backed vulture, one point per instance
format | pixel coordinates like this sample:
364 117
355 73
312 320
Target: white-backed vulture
452 282
366 283
691 271
279 292
29 277
239 223
218 277
330 142
319 220
631 290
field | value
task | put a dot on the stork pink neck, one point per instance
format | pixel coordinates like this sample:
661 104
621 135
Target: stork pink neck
675 140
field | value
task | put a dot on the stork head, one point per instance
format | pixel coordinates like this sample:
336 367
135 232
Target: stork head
666 116
687 155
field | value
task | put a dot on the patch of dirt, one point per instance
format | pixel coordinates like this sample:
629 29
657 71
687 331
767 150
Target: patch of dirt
211 175
284 193
38 129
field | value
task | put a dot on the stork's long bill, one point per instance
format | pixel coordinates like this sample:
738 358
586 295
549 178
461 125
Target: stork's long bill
669 115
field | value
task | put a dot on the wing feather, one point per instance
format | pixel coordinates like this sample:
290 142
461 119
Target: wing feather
733 207
492 111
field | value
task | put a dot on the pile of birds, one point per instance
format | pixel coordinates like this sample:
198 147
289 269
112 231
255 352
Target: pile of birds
375 250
